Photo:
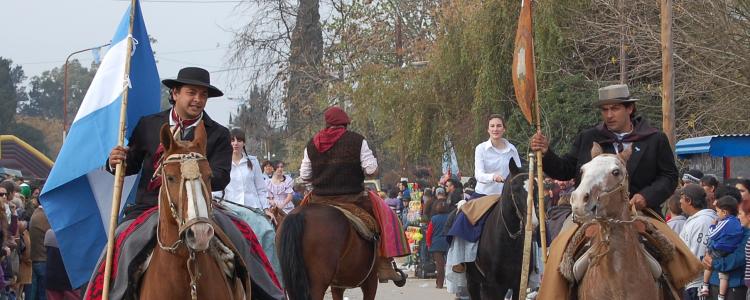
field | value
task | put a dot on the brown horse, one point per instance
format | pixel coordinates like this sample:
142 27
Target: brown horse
318 248
185 264
615 266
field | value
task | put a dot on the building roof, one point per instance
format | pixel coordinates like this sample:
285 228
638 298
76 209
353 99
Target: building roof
17 154
716 145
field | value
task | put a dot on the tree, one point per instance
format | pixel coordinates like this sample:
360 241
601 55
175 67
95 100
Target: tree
46 91
11 93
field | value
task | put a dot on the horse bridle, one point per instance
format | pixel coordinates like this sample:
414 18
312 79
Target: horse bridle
518 211
620 188
190 172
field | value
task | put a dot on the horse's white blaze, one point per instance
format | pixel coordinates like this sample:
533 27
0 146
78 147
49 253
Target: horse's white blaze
595 174
196 200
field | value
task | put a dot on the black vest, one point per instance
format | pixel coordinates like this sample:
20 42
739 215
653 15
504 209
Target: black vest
338 171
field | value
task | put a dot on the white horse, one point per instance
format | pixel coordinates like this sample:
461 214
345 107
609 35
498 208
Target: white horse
606 259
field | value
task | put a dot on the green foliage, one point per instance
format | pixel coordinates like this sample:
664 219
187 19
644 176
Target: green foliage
11 92
46 91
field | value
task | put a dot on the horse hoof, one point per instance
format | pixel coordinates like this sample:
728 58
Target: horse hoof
402 281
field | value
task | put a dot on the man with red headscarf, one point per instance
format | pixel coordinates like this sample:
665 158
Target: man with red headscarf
336 162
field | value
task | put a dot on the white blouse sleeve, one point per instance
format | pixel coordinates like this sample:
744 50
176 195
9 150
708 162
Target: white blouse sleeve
479 172
260 184
305 168
369 162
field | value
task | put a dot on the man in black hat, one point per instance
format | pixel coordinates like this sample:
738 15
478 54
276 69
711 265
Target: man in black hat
188 94
651 167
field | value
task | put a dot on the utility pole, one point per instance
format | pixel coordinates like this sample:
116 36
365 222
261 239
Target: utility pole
623 55
667 101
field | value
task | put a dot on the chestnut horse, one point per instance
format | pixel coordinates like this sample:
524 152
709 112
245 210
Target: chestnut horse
319 248
615 266
184 264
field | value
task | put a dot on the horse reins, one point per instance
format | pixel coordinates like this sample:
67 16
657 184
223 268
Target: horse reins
518 211
189 171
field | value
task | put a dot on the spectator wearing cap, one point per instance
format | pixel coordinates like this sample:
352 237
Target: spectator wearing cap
695 231
692 176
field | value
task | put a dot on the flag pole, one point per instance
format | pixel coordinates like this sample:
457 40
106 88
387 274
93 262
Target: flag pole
527 236
540 170
119 170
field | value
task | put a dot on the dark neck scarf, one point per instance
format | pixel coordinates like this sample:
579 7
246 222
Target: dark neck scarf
326 138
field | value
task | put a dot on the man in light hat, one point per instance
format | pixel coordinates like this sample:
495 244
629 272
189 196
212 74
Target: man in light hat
336 162
651 167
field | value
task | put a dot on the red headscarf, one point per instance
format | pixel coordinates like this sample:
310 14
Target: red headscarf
326 138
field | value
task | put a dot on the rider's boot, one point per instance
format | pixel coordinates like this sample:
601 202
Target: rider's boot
386 271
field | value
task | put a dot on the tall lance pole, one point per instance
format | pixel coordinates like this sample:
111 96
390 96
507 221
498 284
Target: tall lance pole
119 170
527 235
540 171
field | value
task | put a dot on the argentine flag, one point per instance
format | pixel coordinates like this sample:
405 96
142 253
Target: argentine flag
77 196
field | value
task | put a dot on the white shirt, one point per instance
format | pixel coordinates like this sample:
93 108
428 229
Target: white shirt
246 186
695 235
489 161
369 162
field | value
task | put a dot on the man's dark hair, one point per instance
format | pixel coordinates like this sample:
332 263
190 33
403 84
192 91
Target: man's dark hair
728 190
175 88
744 182
471 183
727 203
393 193
674 204
635 108
266 163
695 194
456 184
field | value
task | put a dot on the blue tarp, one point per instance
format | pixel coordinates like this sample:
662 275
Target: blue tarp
728 145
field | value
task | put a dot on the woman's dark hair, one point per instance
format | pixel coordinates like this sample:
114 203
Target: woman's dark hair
728 190
744 182
496 116
10 187
239 134
727 203
710 180
440 207
276 164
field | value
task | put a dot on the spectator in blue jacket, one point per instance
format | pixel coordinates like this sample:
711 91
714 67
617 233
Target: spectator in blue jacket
733 264
437 242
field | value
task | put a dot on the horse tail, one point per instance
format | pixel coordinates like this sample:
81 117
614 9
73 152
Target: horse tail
293 268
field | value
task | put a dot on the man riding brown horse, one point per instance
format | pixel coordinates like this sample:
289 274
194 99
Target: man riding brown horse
336 162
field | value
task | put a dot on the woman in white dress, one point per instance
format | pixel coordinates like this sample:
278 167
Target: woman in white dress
280 188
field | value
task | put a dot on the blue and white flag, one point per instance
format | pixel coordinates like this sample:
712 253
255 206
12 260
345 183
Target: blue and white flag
450 162
77 196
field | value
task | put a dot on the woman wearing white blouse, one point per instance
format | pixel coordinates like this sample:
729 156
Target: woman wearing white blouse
280 188
491 158
246 186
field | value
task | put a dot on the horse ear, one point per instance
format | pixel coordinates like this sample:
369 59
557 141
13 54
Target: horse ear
625 154
200 137
167 140
596 150
514 169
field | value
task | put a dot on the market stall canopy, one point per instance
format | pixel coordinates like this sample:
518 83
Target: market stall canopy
17 154
725 145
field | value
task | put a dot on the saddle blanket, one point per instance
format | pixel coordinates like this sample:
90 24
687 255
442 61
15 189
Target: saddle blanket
136 239
682 268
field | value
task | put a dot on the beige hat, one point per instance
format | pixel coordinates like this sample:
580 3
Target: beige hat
617 93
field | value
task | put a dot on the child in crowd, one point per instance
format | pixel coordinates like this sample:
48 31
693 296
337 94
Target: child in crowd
723 238
437 242
676 218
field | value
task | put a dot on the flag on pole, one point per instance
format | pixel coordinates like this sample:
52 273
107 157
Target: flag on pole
78 193
450 162
524 79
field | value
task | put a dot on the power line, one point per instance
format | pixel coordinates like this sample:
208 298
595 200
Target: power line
188 2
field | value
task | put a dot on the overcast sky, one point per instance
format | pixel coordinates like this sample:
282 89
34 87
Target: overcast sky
39 35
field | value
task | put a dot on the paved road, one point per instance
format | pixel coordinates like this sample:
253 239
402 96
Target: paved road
415 289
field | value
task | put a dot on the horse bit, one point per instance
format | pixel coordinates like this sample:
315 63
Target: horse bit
190 172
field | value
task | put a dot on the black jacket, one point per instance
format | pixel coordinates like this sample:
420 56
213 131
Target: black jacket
651 168
144 142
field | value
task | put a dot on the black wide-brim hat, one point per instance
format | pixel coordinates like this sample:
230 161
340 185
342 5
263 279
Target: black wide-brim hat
194 76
